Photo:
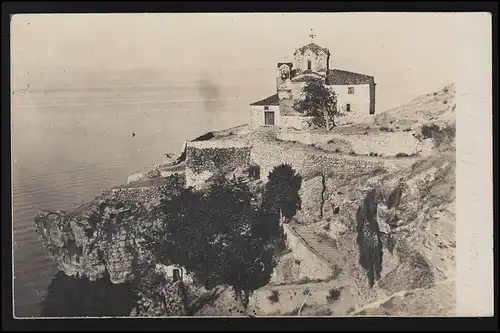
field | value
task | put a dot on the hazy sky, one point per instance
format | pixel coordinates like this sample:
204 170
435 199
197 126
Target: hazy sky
408 54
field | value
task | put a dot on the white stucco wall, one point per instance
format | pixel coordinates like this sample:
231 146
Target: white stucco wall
297 122
169 272
257 115
297 89
360 100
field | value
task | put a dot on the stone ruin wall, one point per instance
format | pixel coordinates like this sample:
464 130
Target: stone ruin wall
309 163
207 158
383 144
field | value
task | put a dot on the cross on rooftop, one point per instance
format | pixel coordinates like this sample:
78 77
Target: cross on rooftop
312 35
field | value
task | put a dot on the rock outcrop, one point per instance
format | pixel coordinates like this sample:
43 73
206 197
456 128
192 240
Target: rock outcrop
100 237
415 221
168 300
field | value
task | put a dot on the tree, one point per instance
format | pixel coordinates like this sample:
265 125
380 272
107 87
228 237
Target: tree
212 234
281 194
319 102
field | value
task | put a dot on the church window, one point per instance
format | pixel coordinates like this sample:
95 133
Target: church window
266 107
348 107
350 90
309 65
284 74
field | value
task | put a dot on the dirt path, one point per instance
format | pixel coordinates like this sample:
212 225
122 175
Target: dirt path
379 302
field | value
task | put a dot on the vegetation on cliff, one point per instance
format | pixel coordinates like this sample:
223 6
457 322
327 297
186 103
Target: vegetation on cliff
222 234
281 195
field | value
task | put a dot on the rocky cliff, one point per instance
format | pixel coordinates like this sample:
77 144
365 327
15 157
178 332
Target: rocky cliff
99 238
396 227
392 230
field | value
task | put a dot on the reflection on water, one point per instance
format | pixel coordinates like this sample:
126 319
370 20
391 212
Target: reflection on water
73 297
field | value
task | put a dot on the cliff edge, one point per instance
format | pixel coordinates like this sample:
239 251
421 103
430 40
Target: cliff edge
389 231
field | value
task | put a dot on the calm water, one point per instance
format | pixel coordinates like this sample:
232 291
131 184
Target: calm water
70 145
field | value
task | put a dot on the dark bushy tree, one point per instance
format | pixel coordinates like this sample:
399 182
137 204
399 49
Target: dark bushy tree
319 102
222 235
214 236
281 194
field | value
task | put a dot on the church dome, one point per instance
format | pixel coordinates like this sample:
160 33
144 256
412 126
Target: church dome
313 47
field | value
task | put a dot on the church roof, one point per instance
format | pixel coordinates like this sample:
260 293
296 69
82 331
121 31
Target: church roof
313 47
308 75
271 100
341 77
285 63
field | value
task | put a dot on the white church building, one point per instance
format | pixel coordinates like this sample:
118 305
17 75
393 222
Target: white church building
355 92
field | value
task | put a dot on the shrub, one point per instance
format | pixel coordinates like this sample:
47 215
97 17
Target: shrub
395 196
445 102
281 195
337 150
352 152
407 129
325 312
435 94
402 155
386 129
274 297
254 171
438 134
333 295
337 270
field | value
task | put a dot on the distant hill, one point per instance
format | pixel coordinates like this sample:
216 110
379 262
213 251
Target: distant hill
437 107
58 77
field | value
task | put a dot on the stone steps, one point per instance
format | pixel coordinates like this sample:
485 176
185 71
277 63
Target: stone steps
323 247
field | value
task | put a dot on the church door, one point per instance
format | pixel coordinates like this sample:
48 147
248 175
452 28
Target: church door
269 118
177 275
